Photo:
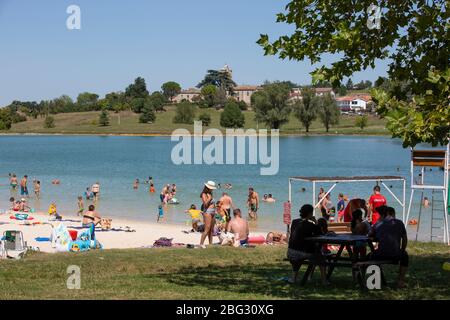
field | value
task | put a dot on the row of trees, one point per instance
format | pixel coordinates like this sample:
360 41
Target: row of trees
273 108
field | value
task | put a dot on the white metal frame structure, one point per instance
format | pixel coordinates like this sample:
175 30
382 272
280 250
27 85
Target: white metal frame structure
335 180
431 158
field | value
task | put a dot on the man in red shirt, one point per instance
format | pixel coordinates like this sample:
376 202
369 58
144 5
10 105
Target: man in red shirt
376 200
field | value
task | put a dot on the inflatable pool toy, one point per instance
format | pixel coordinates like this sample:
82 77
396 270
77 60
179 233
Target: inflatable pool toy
173 201
21 217
256 240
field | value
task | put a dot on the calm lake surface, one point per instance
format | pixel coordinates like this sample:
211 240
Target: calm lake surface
116 161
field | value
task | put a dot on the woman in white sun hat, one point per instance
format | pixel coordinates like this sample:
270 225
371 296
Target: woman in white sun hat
208 211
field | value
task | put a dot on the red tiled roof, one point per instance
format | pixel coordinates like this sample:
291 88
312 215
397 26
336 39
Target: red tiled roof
246 88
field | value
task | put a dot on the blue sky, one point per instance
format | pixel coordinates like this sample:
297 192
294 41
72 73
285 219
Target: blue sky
120 40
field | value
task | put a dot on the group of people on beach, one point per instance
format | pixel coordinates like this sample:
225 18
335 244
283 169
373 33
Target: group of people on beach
375 220
222 217
343 209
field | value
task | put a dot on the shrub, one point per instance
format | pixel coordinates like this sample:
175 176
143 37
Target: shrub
361 122
103 119
49 122
232 116
205 118
242 105
184 113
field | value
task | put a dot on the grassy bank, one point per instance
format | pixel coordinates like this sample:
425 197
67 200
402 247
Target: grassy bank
127 123
214 273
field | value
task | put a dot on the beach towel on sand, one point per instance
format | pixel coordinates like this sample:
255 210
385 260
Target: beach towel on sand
163 242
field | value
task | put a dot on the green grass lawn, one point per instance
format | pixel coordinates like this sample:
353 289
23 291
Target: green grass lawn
214 273
86 123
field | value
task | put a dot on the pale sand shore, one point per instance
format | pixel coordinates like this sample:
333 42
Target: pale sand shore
146 232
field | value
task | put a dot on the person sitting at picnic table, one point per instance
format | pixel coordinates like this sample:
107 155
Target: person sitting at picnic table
392 241
299 249
361 227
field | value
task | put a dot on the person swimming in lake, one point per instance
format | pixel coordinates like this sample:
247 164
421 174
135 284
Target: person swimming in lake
88 194
268 198
13 182
152 188
23 186
160 214
37 188
96 190
136 184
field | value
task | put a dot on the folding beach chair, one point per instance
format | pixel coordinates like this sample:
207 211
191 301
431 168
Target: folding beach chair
14 245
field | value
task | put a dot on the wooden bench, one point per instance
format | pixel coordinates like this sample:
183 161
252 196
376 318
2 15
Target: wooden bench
359 269
340 227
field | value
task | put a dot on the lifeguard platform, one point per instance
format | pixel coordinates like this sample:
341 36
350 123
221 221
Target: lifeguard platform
421 160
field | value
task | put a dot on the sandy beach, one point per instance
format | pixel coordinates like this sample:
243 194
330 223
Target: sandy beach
144 235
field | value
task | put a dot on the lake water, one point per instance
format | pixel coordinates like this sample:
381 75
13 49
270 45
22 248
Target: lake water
116 161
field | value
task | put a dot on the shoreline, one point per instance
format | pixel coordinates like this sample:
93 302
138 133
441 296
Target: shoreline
145 233
30 134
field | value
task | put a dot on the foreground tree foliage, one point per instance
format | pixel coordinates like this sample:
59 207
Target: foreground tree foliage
271 104
413 35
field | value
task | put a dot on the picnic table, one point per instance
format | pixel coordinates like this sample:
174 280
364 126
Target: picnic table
345 241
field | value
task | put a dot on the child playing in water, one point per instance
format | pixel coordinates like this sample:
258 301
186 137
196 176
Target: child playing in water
195 216
160 214
52 211
80 204
152 188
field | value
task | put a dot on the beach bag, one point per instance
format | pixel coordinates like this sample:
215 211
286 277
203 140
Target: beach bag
163 242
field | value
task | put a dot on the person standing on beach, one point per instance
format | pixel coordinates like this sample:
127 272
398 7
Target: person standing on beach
90 219
227 204
376 200
23 186
95 190
13 182
208 211
252 203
